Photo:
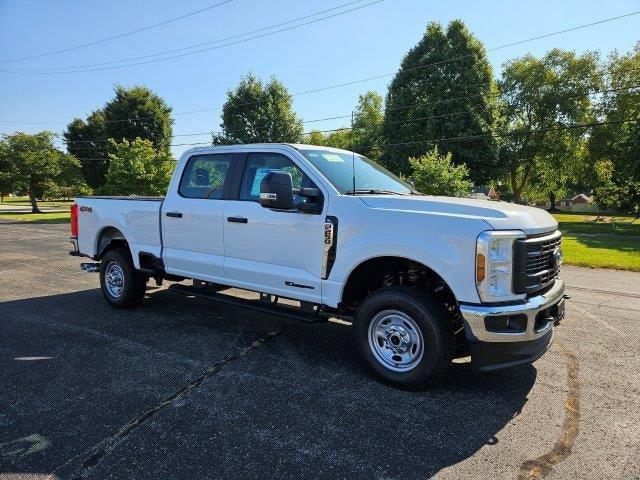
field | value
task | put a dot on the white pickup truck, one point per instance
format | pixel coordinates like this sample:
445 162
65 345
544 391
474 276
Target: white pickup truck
423 279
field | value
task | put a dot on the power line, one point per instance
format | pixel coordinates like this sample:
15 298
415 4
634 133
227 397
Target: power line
211 132
426 65
223 39
114 37
411 120
519 42
462 138
142 119
513 133
62 71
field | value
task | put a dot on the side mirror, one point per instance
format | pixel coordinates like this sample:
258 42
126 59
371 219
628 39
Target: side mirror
276 190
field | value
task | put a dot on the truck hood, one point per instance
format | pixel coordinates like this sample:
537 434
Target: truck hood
499 215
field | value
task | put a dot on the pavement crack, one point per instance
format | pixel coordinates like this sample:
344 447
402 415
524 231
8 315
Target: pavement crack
543 465
96 454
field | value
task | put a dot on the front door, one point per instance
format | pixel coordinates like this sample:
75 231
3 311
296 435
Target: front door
192 219
277 252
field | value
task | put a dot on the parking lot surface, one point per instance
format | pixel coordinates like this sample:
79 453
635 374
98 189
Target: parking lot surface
186 388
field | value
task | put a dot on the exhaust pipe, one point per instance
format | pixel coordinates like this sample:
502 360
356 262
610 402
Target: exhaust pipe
90 267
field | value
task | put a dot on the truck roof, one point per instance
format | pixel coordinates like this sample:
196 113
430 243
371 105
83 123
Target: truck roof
297 146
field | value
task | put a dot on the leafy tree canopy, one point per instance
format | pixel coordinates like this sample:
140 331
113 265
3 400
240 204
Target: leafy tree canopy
540 97
134 112
31 164
137 168
620 142
363 137
367 125
435 174
444 89
255 112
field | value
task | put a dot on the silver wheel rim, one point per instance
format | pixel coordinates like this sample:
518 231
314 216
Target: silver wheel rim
395 340
114 279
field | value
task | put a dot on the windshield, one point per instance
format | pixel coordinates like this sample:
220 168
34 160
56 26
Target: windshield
339 167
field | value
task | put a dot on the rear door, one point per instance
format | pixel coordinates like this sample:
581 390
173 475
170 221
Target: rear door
192 218
278 252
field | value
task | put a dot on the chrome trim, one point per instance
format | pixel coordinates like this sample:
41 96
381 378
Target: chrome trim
475 315
74 242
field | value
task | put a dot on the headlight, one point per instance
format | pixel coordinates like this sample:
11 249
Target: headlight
494 265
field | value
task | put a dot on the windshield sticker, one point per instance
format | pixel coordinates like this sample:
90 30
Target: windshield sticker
333 158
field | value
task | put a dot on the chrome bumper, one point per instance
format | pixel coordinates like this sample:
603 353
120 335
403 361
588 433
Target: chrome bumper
76 250
475 316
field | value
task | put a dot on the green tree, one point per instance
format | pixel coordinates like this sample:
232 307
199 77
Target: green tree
620 142
367 126
340 138
363 137
255 113
540 98
7 175
137 168
134 112
32 163
435 174
444 89
69 182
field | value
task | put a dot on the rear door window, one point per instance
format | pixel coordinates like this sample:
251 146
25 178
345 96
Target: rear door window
204 176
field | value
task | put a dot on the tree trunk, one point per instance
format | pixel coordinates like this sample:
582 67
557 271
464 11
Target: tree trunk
34 203
552 201
517 192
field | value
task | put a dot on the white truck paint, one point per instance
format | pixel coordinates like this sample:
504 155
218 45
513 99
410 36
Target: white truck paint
233 241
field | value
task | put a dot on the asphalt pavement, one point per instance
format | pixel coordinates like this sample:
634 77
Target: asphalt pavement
186 388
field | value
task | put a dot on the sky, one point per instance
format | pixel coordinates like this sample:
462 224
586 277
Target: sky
366 42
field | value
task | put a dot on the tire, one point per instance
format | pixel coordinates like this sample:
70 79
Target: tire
419 330
129 291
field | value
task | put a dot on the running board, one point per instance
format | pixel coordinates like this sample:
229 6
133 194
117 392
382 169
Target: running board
264 306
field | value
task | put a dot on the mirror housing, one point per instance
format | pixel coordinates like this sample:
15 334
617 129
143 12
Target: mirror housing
276 190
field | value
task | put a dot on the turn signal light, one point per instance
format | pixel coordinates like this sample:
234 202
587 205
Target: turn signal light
480 267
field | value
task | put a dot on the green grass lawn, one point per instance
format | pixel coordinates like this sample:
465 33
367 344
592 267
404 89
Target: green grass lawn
608 242
24 201
58 217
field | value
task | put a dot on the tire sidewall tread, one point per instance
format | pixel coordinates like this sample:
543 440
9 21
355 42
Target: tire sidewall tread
432 320
134 282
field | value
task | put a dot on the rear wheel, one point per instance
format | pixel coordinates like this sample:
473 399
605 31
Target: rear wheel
404 338
122 285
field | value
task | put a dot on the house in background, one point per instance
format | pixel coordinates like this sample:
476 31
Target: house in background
580 203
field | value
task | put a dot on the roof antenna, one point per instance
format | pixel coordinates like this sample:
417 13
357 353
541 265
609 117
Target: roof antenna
353 157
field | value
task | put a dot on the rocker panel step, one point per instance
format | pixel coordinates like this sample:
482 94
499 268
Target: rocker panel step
258 305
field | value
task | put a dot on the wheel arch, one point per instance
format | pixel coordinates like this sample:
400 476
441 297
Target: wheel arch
369 274
109 237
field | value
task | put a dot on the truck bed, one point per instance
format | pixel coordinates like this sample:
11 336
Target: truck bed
136 218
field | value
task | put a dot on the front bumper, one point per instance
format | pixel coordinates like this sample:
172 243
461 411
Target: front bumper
506 335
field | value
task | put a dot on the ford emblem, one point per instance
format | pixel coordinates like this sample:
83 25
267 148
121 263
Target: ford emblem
557 257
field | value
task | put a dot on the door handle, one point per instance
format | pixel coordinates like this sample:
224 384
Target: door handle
174 214
237 220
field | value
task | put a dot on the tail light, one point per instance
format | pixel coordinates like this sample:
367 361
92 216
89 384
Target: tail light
74 220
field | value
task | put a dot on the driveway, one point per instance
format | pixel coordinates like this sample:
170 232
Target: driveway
186 388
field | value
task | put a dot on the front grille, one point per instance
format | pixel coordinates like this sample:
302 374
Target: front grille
535 264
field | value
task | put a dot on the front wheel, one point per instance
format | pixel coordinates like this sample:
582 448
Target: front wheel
122 285
403 337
